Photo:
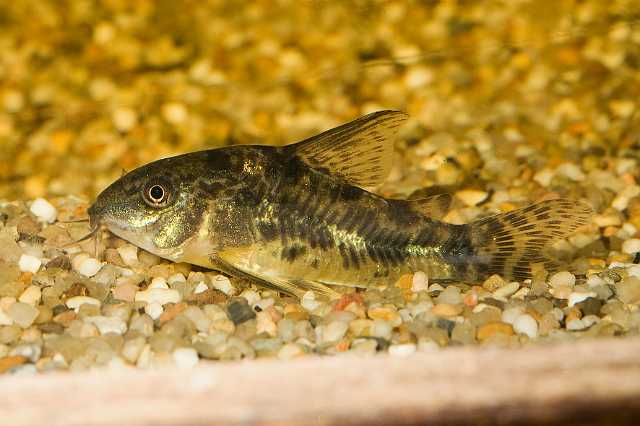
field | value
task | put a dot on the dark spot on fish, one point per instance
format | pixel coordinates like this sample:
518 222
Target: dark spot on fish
218 159
345 256
268 230
292 252
402 213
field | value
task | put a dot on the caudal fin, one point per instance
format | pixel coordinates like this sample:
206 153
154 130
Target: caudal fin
508 243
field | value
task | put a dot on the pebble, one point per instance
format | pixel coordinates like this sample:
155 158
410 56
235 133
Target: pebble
490 329
526 324
129 254
154 310
446 310
631 246
10 362
576 325
290 351
239 311
31 295
382 329
563 278
577 297
86 265
200 288
222 283
77 301
472 197
420 282
402 350
22 314
28 263
43 210
185 358
507 289
334 331
124 119
628 290
309 301
451 295
160 296
265 324
108 324
174 112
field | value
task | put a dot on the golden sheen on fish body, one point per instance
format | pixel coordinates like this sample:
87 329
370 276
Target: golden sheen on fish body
296 218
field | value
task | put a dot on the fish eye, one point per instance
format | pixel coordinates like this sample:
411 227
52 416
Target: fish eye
156 195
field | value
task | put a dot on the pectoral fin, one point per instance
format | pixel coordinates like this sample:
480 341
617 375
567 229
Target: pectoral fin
235 262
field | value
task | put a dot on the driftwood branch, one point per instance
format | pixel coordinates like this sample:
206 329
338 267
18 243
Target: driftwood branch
588 382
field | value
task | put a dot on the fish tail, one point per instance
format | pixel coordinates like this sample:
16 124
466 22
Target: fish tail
509 243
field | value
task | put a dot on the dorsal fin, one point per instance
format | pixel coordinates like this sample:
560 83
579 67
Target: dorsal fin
360 151
434 207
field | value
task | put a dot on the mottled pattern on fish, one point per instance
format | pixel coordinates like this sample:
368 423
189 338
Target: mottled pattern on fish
296 218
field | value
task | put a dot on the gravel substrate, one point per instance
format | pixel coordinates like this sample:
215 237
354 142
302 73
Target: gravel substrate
510 103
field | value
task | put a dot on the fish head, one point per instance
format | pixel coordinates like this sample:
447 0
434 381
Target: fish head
155 207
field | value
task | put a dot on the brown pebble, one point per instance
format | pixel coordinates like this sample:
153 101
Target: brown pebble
9 362
172 312
488 330
446 310
76 289
65 318
60 262
208 297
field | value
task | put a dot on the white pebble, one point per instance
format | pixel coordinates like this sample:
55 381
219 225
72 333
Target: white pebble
161 296
185 358
420 282
129 254
43 210
22 314
544 177
334 331
200 288
631 246
571 171
108 324
507 289
176 278
577 297
28 263
222 283
154 310
289 351
595 280
158 282
309 301
472 197
526 324
124 119
77 301
563 278
511 315
402 350
576 324
5 319
174 112
86 265
265 324
31 295
381 328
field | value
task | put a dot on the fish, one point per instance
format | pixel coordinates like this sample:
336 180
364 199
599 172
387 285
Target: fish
301 217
